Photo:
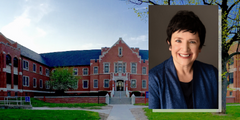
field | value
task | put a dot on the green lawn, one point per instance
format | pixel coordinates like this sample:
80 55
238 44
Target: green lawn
233 113
21 114
39 103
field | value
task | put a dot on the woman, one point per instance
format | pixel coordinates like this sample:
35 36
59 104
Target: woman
182 82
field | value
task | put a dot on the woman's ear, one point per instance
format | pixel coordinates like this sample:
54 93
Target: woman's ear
169 45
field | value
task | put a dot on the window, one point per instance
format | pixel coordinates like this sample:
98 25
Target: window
85 84
25 65
95 83
47 85
133 84
120 67
106 67
144 70
34 82
230 93
133 67
85 71
106 83
34 67
119 51
95 70
230 78
75 71
143 83
40 83
47 72
15 79
16 93
15 62
40 69
26 81
8 60
9 78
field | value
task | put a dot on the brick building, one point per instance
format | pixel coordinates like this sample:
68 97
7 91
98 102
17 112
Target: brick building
233 68
116 68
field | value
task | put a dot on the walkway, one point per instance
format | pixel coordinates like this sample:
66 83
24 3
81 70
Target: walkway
115 111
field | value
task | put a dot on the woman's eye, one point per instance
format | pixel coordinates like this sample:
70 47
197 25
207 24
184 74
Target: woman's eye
178 41
192 42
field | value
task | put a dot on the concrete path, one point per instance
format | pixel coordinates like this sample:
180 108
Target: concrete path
115 111
122 112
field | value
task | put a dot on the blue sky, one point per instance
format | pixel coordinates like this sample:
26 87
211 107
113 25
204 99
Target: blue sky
59 25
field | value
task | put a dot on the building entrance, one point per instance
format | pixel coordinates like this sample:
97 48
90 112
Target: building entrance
120 85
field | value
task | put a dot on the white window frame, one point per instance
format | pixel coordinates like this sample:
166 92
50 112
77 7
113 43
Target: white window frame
94 84
34 82
104 83
47 71
120 55
145 71
75 70
83 72
47 86
40 70
35 68
26 78
132 68
24 65
104 63
40 83
135 83
116 67
145 84
94 69
83 84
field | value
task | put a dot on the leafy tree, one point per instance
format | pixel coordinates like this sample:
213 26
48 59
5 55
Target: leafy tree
62 79
230 28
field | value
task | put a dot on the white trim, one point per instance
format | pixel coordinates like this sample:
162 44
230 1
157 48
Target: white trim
40 83
40 72
35 83
74 71
47 73
104 67
97 83
131 83
94 69
35 68
131 67
83 72
83 84
20 90
145 84
104 83
145 71
25 64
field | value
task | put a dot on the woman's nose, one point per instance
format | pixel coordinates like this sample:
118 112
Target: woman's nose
185 47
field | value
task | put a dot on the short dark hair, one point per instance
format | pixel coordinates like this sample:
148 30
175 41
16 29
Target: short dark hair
187 21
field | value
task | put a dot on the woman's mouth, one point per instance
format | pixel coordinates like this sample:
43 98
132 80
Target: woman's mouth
184 55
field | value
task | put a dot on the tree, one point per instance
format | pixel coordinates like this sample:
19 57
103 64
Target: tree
230 28
62 79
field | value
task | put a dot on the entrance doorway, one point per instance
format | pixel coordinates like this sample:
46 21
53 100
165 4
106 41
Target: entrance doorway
120 85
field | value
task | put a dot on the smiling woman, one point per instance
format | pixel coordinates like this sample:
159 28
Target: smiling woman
182 82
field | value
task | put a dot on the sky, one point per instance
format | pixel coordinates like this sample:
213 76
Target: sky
63 25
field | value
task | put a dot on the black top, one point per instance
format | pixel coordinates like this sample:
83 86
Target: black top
187 92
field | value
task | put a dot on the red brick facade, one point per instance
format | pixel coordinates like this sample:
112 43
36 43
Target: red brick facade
118 68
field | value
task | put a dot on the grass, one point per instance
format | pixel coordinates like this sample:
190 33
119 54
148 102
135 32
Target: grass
143 104
39 103
233 113
21 114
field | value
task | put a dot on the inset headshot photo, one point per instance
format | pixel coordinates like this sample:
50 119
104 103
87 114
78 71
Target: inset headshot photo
183 57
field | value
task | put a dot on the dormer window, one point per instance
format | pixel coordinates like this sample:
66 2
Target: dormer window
120 51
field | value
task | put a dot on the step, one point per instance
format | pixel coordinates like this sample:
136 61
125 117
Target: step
120 100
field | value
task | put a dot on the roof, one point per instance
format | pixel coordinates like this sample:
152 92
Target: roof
31 54
77 58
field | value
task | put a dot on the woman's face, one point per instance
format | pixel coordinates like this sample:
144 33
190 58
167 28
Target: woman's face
184 48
